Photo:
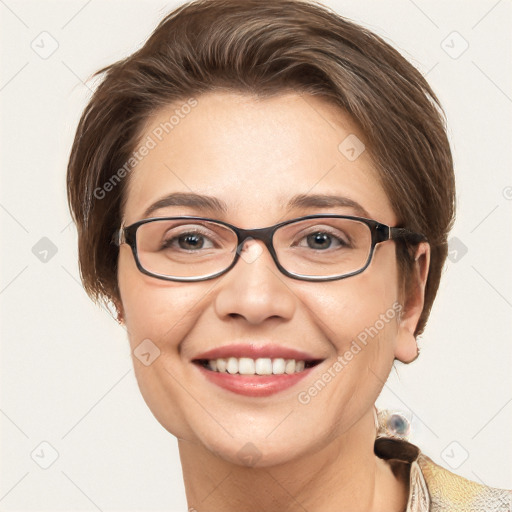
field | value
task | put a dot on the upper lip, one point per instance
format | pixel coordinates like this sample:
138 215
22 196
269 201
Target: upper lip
255 352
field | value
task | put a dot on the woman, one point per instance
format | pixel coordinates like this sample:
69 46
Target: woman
264 192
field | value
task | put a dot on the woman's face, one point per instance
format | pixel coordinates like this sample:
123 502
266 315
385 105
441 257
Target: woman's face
255 156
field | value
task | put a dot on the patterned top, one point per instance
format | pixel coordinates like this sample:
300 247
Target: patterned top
433 488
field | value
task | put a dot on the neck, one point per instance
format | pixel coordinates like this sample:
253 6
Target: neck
344 475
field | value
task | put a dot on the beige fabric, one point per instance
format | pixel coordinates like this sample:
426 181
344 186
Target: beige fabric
449 491
433 488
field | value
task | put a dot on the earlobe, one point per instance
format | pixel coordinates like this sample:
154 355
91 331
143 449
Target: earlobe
406 347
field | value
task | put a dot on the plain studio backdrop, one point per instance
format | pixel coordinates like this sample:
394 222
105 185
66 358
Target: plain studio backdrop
75 431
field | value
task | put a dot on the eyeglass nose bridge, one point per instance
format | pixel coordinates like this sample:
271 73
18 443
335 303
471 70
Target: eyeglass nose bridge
263 234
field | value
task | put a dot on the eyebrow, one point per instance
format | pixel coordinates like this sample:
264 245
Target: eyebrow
201 202
216 205
326 201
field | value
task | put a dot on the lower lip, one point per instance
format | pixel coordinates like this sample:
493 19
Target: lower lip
254 385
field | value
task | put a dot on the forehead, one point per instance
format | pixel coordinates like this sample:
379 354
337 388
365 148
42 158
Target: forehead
254 155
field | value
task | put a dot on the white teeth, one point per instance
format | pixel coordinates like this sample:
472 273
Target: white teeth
246 366
232 365
278 366
221 364
260 366
263 366
290 366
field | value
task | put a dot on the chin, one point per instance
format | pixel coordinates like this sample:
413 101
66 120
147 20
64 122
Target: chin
259 454
258 450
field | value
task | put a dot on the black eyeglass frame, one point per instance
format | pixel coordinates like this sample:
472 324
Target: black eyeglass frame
379 233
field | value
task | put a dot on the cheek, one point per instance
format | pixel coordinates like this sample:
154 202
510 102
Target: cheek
359 316
155 309
351 307
163 313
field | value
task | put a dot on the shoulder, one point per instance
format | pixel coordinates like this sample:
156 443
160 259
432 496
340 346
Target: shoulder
434 488
449 491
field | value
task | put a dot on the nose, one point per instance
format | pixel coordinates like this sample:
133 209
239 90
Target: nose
255 289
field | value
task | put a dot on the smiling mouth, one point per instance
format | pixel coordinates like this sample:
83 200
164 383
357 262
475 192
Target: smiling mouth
261 366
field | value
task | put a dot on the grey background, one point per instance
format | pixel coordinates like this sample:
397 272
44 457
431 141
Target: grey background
66 373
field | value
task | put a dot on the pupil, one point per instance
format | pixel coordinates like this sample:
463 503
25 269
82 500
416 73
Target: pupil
319 238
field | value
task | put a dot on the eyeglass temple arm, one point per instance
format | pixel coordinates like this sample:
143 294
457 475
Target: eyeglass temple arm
411 236
117 237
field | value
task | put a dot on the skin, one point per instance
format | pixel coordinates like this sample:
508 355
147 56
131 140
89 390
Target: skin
255 154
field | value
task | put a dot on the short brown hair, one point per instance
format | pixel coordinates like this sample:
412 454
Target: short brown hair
264 48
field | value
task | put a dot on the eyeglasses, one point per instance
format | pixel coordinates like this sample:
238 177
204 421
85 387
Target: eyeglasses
312 248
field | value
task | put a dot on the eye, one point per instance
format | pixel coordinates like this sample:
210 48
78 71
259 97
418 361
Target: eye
187 240
321 240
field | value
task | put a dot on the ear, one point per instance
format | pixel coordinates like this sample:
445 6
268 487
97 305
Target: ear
406 348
